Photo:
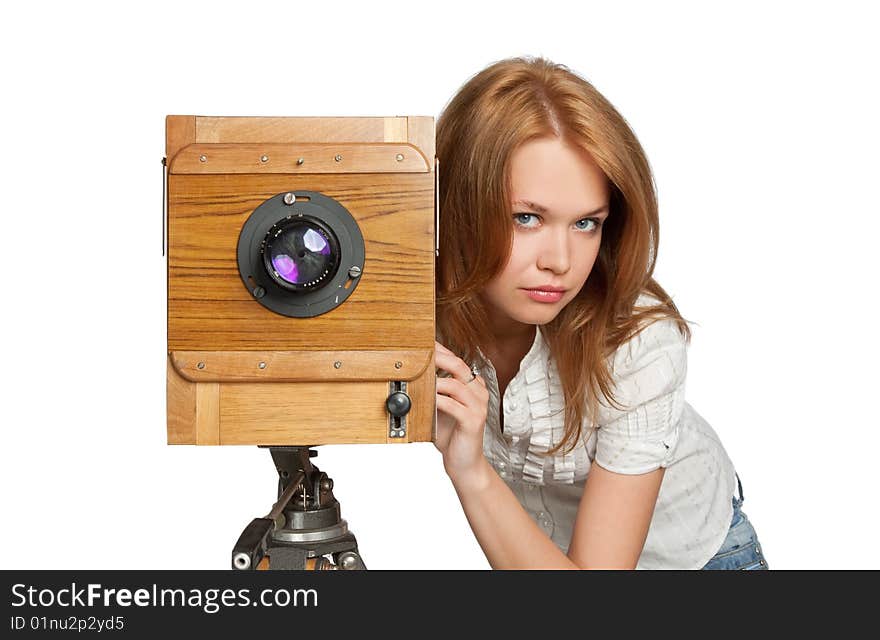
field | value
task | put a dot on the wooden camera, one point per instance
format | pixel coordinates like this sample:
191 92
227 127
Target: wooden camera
300 280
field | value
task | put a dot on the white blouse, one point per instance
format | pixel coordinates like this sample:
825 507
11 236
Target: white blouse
659 429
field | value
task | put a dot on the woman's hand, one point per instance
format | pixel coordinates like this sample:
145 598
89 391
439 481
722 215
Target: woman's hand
462 409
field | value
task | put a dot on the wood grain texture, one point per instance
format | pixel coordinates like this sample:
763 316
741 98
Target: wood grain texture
303 413
180 131
420 133
210 309
208 413
180 398
396 130
316 157
421 418
244 129
299 366
298 398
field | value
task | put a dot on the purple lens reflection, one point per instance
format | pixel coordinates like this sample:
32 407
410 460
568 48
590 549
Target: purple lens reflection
300 253
285 267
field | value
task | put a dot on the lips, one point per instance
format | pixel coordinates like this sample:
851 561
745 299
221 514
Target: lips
547 289
539 295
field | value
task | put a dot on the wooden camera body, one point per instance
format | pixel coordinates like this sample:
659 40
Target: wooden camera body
260 352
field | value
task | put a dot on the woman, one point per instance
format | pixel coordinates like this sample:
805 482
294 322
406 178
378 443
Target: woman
567 437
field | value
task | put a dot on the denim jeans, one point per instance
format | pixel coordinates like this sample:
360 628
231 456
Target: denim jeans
741 549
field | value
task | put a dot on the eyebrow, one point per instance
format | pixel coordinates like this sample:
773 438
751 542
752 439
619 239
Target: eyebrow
542 209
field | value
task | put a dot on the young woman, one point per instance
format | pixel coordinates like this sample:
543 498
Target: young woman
561 361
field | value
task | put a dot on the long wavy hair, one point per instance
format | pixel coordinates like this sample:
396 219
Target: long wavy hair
503 106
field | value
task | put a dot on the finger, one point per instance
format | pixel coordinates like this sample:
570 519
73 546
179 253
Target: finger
454 365
454 409
470 418
439 348
467 394
442 347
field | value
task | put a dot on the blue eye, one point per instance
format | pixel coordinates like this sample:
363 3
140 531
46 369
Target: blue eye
597 223
520 215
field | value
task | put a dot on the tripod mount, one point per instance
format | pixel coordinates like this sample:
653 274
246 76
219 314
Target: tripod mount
304 530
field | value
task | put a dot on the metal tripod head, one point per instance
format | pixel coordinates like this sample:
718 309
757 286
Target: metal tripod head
305 524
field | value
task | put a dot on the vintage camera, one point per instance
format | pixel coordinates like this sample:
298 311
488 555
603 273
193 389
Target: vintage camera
300 279
301 256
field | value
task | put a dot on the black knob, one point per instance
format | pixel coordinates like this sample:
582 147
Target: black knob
398 404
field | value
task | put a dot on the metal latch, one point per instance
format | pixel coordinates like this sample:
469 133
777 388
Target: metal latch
398 405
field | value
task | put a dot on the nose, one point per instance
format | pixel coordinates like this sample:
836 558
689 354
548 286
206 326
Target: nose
554 252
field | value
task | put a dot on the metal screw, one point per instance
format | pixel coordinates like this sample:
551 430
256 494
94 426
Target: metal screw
398 365
201 365
327 484
203 158
262 365
259 292
337 364
348 561
289 197
400 157
354 272
264 158
338 158
300 160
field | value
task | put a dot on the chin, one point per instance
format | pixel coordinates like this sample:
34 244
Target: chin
540 318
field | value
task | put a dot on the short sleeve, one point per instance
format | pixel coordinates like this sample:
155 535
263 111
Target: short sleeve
649 371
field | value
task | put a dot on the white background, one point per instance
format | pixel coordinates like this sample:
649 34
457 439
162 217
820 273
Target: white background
759 120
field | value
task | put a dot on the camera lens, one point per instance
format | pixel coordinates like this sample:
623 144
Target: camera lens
300 254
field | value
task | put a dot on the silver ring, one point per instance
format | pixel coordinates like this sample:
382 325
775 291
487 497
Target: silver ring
474 373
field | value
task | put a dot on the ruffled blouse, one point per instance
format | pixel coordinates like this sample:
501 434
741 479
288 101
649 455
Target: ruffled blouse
655 428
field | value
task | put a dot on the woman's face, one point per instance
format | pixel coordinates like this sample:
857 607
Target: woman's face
559 198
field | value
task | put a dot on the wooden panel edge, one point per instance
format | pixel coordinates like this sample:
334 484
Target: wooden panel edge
281 158
180 131
281 366
396 129
255 129
420 133
423 392
180 407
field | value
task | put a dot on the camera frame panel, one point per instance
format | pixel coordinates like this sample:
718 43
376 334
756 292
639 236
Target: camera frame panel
239 373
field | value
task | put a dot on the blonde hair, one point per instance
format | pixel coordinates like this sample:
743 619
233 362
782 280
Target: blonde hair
506 104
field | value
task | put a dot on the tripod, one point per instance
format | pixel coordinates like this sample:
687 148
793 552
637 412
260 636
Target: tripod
303 527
